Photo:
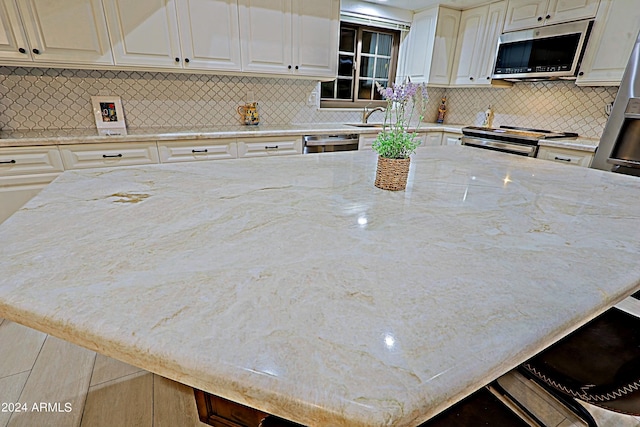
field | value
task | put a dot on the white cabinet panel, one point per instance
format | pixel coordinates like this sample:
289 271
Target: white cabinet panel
571 10
209 34
269 146
144 32
189 151
82 156
450 138
522 14
431 139
569 157
315 35
66 31
18 190
610 44
29 160
13 42
365 142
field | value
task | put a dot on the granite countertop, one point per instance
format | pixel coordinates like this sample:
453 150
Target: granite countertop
296 287
581 144
79 136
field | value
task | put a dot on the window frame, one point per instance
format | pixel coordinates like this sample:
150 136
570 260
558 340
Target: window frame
393 66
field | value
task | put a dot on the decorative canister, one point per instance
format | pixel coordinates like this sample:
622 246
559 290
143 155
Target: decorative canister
249 113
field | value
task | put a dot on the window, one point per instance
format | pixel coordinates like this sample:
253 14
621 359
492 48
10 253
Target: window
366 55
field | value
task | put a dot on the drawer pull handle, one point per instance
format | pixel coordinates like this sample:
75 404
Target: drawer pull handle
7 162
562 159
111 156
270 147
200 151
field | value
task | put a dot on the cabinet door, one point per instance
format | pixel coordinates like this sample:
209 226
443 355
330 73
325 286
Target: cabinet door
190 151
66 31
16 161
493 29
12 37
365 141
469 50
431 139
316 26
572 10
523 14
144 32
269 146
569 157
444 47
83 156
450 138
420 42
610 43
209 34
266 44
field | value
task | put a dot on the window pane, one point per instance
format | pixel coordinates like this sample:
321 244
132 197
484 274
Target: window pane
383 83
384 44
345 66
344 89
347 40
364 89
382 68
326 89
369 42
366 66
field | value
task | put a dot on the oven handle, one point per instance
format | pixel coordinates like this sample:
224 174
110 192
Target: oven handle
484 143
313 140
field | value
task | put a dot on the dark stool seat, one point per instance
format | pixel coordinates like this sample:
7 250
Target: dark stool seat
599 363
482 408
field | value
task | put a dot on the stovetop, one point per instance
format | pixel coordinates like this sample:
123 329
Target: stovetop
516 134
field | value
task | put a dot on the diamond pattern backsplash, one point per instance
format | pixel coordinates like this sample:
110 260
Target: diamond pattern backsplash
51 99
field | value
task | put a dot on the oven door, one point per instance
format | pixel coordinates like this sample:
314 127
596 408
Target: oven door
505 147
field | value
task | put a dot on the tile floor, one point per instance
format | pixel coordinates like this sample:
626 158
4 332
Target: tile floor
86 389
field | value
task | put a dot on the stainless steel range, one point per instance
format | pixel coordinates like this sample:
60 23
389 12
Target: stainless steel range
509 139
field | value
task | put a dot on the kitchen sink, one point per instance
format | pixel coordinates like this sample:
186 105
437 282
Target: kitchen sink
365 125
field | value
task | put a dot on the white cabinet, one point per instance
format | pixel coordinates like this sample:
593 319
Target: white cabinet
189 151
430 139
476 45
522 14
566 156
61 32
269 146
83 156
365 141
23 173
429 48
298 37
610 44
450 138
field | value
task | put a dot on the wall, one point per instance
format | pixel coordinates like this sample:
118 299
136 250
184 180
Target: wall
51 99
560 106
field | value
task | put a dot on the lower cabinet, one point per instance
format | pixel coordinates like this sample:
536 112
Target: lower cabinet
83 156
365 142
450 138
23 173
430 139
563 155
269 146
189 151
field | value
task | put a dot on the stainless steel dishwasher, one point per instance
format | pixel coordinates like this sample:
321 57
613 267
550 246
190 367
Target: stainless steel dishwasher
330 143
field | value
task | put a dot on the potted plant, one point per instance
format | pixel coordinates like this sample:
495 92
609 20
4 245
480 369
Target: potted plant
395 143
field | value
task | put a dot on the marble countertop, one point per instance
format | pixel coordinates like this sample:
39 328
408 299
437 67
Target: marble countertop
581 144
295 286
79 136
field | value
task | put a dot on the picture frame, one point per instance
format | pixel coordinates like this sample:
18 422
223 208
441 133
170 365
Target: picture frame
109 115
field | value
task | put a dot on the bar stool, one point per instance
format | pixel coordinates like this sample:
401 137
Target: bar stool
598 364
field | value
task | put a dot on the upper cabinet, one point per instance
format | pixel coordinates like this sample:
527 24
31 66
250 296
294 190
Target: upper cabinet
60 32
197 34
610 44
297 37
430 45
523 14
476 45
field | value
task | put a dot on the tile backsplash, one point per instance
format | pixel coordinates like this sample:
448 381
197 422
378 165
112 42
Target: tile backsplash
53 99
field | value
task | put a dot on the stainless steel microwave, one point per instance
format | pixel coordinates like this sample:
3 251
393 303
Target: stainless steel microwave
554 51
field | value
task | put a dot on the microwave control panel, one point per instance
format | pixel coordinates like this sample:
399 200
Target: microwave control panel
538 69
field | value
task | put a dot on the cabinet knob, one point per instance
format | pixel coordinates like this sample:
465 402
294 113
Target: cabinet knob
36 51
488 77
22 50
470 78
297 67
581 73
547 17
289 67
186 60
177 59
539 18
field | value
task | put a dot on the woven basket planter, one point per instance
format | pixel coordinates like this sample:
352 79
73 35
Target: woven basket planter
392 174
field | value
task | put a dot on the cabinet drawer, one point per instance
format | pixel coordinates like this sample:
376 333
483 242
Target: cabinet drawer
29 160
366 141
570 157
430 139
190 151
82 156
271 146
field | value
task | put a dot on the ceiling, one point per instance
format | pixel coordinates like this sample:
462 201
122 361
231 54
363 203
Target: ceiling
422 4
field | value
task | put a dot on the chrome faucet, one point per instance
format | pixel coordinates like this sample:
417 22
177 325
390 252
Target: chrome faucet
366 113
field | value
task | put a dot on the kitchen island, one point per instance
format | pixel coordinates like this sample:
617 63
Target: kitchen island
298 288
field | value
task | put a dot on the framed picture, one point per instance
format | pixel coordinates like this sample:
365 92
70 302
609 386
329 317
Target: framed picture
109 116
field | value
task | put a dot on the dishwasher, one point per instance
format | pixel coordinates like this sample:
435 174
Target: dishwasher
330 143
